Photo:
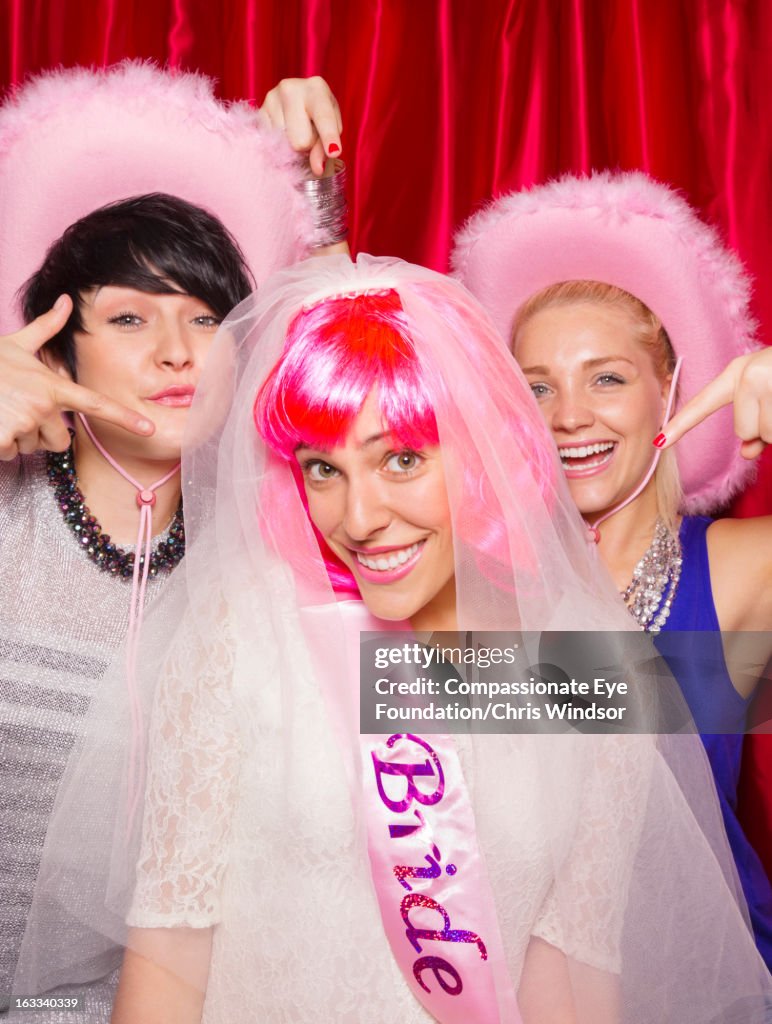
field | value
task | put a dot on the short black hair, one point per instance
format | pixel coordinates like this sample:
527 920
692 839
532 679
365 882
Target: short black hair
155 243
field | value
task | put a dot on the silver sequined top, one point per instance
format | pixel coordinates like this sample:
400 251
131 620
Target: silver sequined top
61 620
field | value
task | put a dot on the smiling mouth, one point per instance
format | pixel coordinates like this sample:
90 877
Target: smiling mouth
586 457
387 566
391 560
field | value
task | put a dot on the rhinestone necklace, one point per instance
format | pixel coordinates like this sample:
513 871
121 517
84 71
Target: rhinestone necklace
98 546
652 590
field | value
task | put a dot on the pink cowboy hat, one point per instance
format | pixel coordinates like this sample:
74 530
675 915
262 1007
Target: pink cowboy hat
77 139
626 230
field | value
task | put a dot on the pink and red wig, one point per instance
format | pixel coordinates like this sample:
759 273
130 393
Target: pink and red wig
336 353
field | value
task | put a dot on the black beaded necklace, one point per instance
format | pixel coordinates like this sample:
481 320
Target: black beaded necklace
109 557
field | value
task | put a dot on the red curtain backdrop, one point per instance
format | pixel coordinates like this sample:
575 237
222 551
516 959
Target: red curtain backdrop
447 102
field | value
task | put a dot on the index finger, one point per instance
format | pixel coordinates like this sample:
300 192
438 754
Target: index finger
273 110
312 122
324 111
42 329
718 393
76 398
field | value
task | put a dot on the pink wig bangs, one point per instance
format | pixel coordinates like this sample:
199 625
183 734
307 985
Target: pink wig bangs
335 354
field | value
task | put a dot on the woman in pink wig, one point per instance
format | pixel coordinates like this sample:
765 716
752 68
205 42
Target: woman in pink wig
602 286
346 448
110 255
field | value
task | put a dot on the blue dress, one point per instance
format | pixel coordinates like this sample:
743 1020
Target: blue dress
718 709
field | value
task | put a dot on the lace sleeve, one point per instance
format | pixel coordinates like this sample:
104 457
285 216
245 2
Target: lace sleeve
193 759
584 910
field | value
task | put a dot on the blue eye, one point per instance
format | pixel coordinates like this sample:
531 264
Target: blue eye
125 320
539 390
610 378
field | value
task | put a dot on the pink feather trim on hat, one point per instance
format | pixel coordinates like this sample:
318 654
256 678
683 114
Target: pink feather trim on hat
626 230
76 139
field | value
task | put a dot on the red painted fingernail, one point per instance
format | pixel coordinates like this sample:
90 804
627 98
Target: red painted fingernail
333 148
659 440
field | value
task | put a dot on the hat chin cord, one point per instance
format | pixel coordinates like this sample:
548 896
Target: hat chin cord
593 531
146 499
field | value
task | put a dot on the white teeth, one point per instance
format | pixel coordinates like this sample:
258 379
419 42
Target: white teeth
392 561
582 451
592 465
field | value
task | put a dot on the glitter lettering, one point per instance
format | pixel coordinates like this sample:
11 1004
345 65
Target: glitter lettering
447 934
433 871
435 964
427 769
420 766
401 831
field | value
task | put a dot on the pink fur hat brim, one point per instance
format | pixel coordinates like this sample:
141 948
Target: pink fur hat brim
626 230
74 140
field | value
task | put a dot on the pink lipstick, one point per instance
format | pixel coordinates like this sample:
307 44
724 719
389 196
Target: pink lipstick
387 564
178 396
581 460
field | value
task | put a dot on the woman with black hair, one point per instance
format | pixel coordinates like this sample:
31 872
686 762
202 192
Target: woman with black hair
123 309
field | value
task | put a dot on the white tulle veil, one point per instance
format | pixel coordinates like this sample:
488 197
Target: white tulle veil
607 848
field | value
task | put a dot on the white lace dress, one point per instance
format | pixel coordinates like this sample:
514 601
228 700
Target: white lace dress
249 826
